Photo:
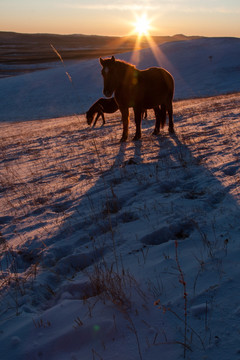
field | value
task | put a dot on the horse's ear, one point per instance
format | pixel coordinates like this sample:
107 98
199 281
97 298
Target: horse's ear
101 61
113 59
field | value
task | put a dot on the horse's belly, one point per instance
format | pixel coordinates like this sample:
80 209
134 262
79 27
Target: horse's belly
152 96
149 102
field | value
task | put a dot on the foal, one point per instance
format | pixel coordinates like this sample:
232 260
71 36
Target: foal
100 107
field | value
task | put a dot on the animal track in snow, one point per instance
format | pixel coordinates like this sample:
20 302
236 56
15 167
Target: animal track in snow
179 231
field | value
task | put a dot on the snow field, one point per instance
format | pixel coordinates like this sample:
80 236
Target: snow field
89 228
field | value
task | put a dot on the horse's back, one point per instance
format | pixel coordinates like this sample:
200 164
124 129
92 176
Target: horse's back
156 76
109 105
156 86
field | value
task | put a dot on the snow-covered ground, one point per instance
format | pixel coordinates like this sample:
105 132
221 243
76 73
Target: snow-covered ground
122 251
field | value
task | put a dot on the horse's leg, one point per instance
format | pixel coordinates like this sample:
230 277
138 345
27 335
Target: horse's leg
125 121
170 117
138 121
163 116
96 119
103 119
157 112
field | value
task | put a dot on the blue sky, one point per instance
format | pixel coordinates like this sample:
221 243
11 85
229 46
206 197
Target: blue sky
168 17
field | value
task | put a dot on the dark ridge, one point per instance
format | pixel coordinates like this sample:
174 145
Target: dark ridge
22 48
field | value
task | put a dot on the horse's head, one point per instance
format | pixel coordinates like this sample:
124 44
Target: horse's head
109 75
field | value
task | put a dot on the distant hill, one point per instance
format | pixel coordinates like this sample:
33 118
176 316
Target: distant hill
21 48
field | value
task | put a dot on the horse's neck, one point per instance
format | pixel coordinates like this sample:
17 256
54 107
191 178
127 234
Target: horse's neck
94 108
126 74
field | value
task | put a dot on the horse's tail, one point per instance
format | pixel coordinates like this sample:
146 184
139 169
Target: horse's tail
163 116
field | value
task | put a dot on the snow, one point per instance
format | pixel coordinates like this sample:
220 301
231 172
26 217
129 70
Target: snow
99 239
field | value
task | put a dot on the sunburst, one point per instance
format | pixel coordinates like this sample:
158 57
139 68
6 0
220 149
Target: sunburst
142 25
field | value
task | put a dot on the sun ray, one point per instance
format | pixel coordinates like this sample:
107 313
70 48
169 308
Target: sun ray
142 28
140 33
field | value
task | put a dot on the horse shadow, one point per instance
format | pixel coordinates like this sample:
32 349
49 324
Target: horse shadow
175 174
182 179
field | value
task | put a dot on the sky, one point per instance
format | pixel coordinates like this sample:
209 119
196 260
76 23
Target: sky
117 17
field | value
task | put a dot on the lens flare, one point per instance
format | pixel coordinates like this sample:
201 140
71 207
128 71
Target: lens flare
96 328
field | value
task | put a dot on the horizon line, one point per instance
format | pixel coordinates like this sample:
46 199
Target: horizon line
117 36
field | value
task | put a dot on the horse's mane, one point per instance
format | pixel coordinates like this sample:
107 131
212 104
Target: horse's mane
124 64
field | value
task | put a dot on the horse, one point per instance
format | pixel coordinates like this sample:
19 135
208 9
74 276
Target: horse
139 89
102 106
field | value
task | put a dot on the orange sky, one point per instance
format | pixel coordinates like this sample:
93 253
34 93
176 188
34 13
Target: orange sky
207 18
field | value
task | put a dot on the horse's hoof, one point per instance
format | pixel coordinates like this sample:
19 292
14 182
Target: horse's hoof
155 132
171 130
123 139
137 137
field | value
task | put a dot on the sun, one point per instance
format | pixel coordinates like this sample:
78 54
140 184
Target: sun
142 25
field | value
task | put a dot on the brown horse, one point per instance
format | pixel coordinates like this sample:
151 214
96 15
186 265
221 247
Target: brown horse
100 107
139 89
